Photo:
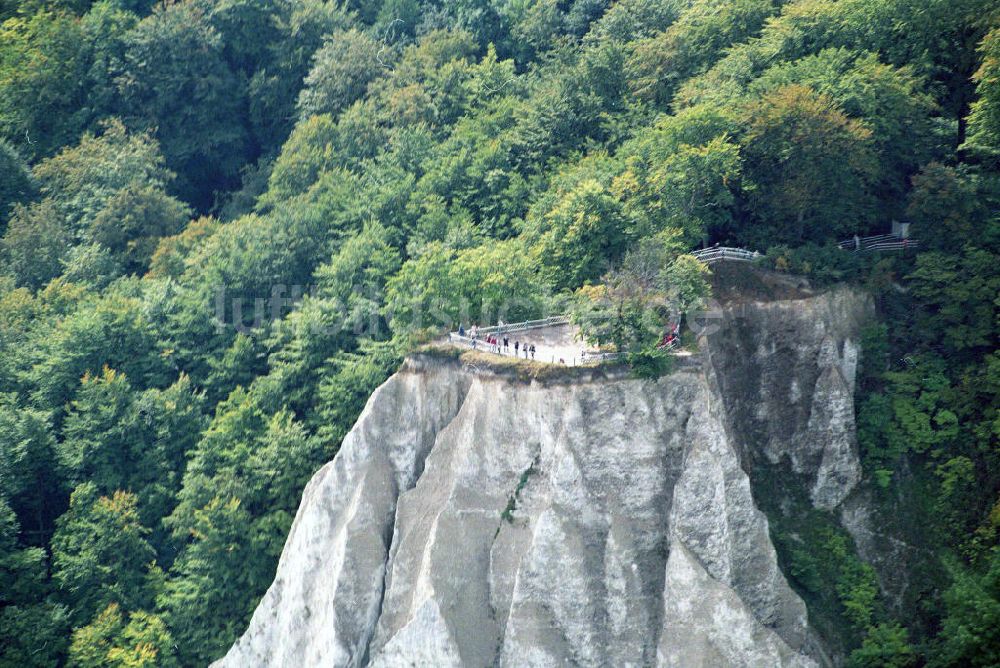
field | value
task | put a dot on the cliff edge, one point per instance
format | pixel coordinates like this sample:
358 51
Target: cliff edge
474 519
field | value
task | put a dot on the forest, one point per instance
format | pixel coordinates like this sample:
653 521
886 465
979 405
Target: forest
223 223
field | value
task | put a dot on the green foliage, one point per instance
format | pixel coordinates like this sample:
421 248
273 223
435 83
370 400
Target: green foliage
448 163
687 283
111 641
911 415
112 332
927 417
905 32
55 75
34 635
680 174
534 27
248 30
885 646
278 40
947 206
958 296
585 233
240 489
984 119
16 184
100 554
219 576
208 600
650 364
607 318
116 439
342 69
361 267
82 179
132 222
442 287
970 632
639 302
841 591
172 253
22 570
855 582
29 464
108 190
819 187
91 265
313 147
701 32
35 244
891 102
629 20
251 255
823 264
508 511
348 381
175 81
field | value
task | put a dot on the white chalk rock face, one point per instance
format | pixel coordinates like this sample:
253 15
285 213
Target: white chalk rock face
706 624
473 519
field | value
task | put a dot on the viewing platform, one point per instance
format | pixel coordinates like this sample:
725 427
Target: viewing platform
556 341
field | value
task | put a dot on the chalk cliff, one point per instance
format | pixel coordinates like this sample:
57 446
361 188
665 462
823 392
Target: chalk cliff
472 518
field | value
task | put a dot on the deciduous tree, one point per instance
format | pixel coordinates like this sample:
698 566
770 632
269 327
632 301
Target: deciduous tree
808 168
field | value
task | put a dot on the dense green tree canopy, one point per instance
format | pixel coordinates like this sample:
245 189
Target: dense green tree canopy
15 181
223 222
984 121
175 81
810 168
100 554
341 71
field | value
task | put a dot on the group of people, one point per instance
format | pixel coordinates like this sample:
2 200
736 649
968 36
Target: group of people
498 344
672 336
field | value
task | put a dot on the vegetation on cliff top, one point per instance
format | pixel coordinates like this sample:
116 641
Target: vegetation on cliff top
222 221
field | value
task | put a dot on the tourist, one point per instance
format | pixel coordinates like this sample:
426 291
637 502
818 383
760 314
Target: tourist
506 344
461 329
532 351
516 344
